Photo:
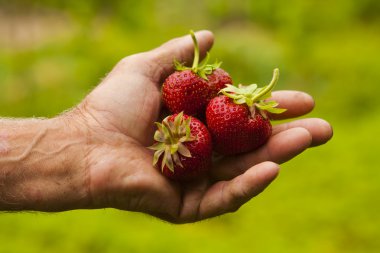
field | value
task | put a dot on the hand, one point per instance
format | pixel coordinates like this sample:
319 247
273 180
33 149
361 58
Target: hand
120 115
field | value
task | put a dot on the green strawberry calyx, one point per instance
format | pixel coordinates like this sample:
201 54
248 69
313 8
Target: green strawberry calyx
169 137
254 97
201 69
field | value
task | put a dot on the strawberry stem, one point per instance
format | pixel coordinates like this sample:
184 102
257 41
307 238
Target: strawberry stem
255 97
196 52
269 87
201 69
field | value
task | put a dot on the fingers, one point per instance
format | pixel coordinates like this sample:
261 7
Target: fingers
297 103
228 196
320 130
288 140
280 148
180 49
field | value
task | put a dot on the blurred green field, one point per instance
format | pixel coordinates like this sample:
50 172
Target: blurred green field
326 200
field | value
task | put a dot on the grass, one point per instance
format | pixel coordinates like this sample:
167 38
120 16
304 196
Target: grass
325 200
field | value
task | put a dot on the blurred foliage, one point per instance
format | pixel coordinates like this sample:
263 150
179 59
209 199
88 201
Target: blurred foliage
53 52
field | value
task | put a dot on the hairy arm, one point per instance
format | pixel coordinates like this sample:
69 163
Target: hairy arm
42 165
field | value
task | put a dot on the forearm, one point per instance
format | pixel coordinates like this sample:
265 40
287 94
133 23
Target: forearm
42 165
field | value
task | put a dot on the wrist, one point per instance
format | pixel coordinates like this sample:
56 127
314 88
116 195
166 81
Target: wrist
44 168
70 167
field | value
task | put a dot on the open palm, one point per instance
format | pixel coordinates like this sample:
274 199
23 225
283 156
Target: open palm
120 113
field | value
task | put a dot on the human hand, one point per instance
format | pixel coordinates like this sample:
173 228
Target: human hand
119 117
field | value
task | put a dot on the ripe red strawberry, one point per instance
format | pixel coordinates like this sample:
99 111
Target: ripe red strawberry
190 89
217 80
237 120
183 147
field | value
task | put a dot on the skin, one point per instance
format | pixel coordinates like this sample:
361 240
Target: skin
95 155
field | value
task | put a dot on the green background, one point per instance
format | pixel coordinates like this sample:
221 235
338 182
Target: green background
52 53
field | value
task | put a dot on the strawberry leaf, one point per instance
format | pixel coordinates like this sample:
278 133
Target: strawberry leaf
201 69
157 146
269 106
169 137
254 96
179 66
176 160
173 148
159 136
240 101
183 150
230 89
276 110
157 155
168 160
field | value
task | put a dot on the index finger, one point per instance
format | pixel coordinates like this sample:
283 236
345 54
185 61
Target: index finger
297 103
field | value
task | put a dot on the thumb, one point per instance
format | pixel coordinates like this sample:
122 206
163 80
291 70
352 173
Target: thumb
180 49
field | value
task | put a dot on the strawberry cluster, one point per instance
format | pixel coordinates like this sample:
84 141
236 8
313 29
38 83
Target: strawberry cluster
235 118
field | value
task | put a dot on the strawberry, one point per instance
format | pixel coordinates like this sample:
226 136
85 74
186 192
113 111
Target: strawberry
183 147
238 120
189 89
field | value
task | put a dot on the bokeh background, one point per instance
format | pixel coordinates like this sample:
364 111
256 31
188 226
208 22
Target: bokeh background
327 200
